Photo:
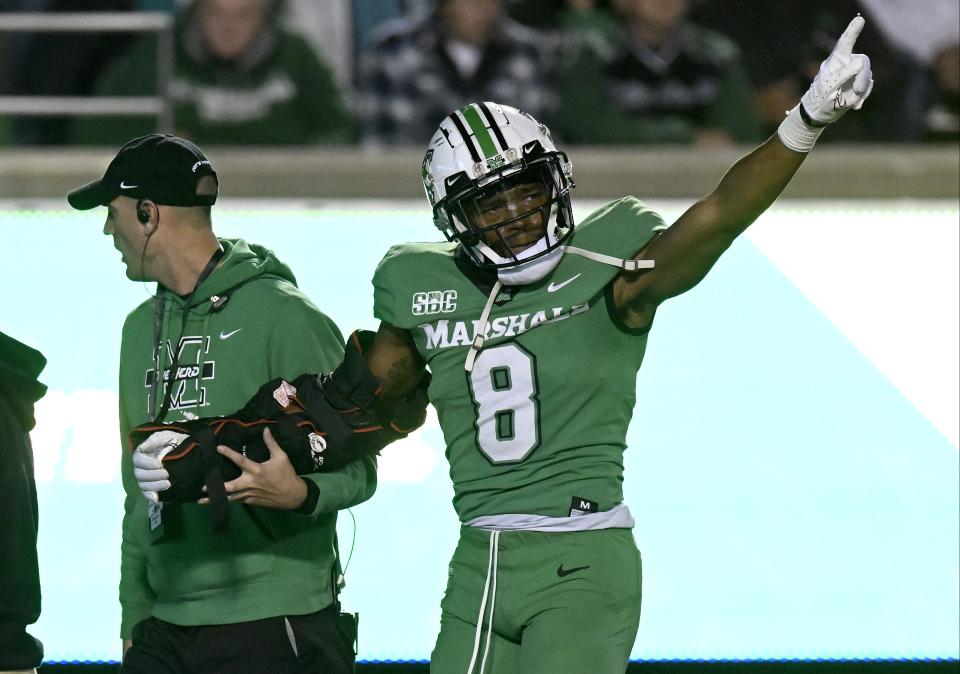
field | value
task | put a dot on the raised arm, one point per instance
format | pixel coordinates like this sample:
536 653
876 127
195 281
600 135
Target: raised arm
686 251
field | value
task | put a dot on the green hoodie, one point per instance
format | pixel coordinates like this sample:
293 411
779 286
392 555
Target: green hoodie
270 562
277 93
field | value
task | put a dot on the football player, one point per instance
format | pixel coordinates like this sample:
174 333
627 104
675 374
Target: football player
534 330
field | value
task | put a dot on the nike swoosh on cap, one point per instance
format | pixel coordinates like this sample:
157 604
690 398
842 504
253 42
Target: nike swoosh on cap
124 186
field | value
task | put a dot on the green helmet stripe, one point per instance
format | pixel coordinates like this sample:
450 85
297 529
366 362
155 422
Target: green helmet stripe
479 130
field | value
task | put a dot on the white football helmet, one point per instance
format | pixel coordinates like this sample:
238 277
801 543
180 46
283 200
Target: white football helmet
499 186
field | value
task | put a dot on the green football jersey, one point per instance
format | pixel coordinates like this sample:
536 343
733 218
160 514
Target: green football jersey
542 417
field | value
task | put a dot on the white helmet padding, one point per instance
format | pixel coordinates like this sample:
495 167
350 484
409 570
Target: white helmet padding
484 149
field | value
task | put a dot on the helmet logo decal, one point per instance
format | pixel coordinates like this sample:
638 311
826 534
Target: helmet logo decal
533 147
427 179
495 162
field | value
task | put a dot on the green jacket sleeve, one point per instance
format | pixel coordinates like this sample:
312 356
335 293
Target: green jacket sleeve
305 340
344 488
136 597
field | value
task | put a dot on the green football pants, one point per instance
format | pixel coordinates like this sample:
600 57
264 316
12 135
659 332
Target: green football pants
539 603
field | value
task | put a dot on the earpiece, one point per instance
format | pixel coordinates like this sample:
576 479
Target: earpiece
143 213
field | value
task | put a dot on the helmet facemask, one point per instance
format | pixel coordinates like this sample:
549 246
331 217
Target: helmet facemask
513 219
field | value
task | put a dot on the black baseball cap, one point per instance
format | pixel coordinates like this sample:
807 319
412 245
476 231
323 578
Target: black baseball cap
159 167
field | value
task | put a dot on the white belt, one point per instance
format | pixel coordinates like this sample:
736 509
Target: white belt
618 517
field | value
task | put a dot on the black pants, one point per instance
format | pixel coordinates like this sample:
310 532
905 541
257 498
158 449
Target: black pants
316 643
20 579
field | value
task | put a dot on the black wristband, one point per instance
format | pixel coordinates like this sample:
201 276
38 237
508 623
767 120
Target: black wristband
808 120
309 503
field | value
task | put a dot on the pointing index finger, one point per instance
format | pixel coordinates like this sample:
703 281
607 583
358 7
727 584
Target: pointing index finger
849 38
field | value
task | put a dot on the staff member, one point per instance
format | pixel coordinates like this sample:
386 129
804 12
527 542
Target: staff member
261 595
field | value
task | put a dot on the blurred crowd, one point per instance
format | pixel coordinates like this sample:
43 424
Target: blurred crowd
385 72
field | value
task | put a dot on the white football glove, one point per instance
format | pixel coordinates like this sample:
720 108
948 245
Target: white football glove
148 465
843 82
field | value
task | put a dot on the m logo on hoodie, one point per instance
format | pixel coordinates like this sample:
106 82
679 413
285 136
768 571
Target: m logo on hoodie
192 370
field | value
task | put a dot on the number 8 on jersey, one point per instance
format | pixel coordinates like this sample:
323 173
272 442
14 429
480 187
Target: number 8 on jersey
503 385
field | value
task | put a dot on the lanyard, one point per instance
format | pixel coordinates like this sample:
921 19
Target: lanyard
158 343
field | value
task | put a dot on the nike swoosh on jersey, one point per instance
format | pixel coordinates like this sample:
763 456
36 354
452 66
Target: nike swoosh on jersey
554 287
228 335
561 572
124 186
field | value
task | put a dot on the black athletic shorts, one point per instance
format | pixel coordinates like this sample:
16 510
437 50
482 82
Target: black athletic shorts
316 643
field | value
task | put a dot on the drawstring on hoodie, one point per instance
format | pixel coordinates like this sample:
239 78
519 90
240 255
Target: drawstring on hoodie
479 338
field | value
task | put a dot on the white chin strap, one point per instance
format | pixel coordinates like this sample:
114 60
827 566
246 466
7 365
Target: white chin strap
532 271
626 265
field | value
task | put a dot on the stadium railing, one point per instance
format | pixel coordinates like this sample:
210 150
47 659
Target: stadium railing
159 105
831 172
